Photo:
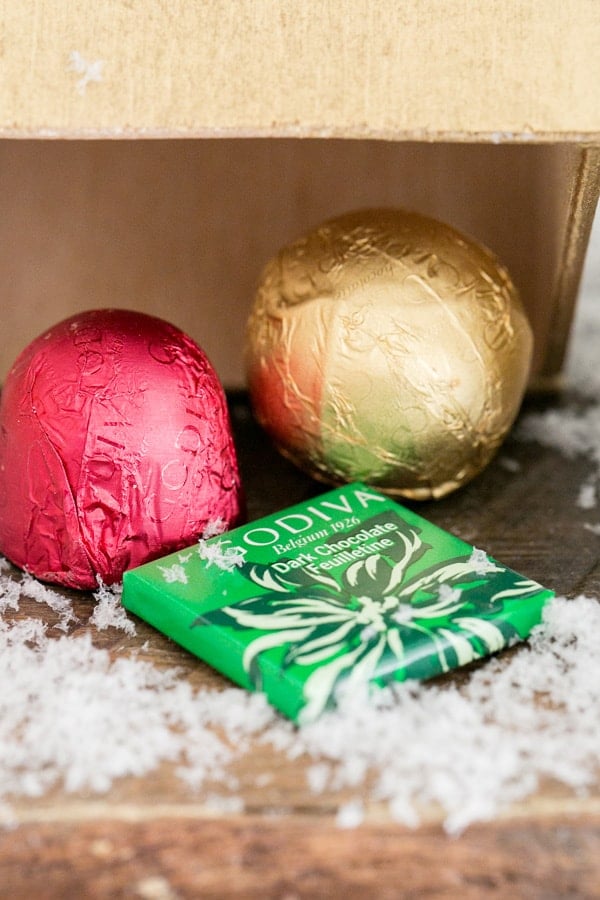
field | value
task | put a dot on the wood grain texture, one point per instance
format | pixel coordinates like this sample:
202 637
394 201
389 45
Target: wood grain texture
150 838
181 229
371 68
289 858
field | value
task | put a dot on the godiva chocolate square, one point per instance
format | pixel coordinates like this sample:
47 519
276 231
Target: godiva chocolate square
345 591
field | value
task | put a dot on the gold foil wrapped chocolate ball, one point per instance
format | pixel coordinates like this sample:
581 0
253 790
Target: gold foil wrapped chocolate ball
388 348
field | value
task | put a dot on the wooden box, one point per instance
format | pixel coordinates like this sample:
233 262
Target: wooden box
269 116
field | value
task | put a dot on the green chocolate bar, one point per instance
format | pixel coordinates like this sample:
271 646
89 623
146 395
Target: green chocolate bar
345 590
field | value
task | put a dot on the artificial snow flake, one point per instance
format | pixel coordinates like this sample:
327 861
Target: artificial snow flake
481 563
220 555
509 464
89 71
318 777
587 498
350 815
173 573
59 604
214 527
403 614
449 594
10 591
369 632
108 611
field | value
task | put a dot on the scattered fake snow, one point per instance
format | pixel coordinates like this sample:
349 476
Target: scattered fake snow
481 563
473 750
220 555
77 719
350 815
509 464
587 497
108 611
32 589
88 70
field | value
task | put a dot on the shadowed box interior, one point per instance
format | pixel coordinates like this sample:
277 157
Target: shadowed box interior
182 228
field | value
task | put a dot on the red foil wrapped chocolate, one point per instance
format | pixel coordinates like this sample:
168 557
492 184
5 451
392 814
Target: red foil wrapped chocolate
115 448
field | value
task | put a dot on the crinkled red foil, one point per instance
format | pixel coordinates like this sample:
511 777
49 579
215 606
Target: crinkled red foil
115 448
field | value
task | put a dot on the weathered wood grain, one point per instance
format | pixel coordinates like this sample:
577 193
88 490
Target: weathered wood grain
370 68
292 858
151 838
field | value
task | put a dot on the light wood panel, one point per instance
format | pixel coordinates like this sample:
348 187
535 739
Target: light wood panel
503 69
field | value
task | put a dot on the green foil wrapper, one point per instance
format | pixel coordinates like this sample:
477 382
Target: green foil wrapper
345 592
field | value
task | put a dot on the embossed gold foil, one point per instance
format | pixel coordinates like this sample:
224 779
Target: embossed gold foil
386 347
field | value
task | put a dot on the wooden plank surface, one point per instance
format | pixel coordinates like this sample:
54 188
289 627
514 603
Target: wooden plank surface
298 857
149 838
419 69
